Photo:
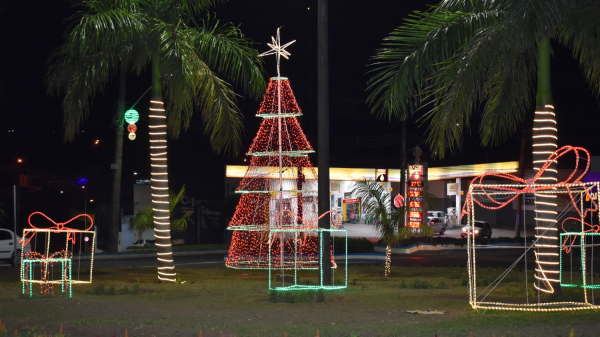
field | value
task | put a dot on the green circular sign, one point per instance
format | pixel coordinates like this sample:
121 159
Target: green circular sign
132 116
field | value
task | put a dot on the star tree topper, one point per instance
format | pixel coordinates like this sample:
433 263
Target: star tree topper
278 49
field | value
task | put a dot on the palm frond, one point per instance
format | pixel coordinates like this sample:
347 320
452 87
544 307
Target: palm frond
194 8
78 80
91 55
143 220
580 31
224 49
106 29
459 85
189 82
508 94
376 203
412 55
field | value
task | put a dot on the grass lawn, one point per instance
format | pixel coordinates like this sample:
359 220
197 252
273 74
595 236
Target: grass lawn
228 302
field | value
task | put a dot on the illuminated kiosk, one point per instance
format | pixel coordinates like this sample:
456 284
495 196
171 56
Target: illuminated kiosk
275 222
512 283
38 262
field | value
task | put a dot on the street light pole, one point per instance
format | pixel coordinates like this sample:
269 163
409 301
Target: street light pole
323 146
15 218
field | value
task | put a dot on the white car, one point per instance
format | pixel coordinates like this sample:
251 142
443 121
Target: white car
144 243
438 221
7 247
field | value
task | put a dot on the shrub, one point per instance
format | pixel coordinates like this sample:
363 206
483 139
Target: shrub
442 285
288 297
355 245
320 295
305 296
418 284
273 296
99 290
111 291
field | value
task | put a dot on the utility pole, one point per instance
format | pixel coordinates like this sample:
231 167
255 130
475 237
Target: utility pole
323 145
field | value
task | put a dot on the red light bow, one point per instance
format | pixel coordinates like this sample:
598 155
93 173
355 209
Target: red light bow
531 187
59 226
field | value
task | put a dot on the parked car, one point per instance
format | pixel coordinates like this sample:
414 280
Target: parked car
8 252
437 225
481 229
437 215
144 243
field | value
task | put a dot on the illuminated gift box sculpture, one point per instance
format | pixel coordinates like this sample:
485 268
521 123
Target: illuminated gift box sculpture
38 262
275 222
548 258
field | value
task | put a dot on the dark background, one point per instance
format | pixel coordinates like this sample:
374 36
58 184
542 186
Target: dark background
30 120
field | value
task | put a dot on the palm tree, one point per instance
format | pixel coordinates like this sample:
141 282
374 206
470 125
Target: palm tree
187 58
466 56
144 218
388 220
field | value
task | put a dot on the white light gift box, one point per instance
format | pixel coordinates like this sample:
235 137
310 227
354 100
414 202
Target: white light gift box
515 288
45 248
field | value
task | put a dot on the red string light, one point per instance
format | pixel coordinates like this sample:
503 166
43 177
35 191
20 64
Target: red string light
530 186
279 191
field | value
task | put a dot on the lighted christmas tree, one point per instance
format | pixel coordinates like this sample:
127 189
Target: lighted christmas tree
275 222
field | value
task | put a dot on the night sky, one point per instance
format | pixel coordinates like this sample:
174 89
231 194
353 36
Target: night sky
33 29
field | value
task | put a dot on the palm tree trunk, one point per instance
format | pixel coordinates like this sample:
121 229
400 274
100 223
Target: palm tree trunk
160 177
388 260
115 217
519 226
544 144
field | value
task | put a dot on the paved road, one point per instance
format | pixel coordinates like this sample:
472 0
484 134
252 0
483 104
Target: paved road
485 257
360 230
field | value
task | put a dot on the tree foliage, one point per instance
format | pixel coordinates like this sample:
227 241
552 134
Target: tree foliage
144 218
462 58
196 58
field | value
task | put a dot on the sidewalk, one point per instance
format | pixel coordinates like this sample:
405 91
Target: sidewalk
147 253
359 230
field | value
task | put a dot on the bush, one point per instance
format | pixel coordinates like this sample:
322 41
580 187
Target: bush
273 296
99 290
305 296
442 285
321 295
418 284
355 245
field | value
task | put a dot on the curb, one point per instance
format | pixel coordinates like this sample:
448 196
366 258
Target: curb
121 256
431 247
